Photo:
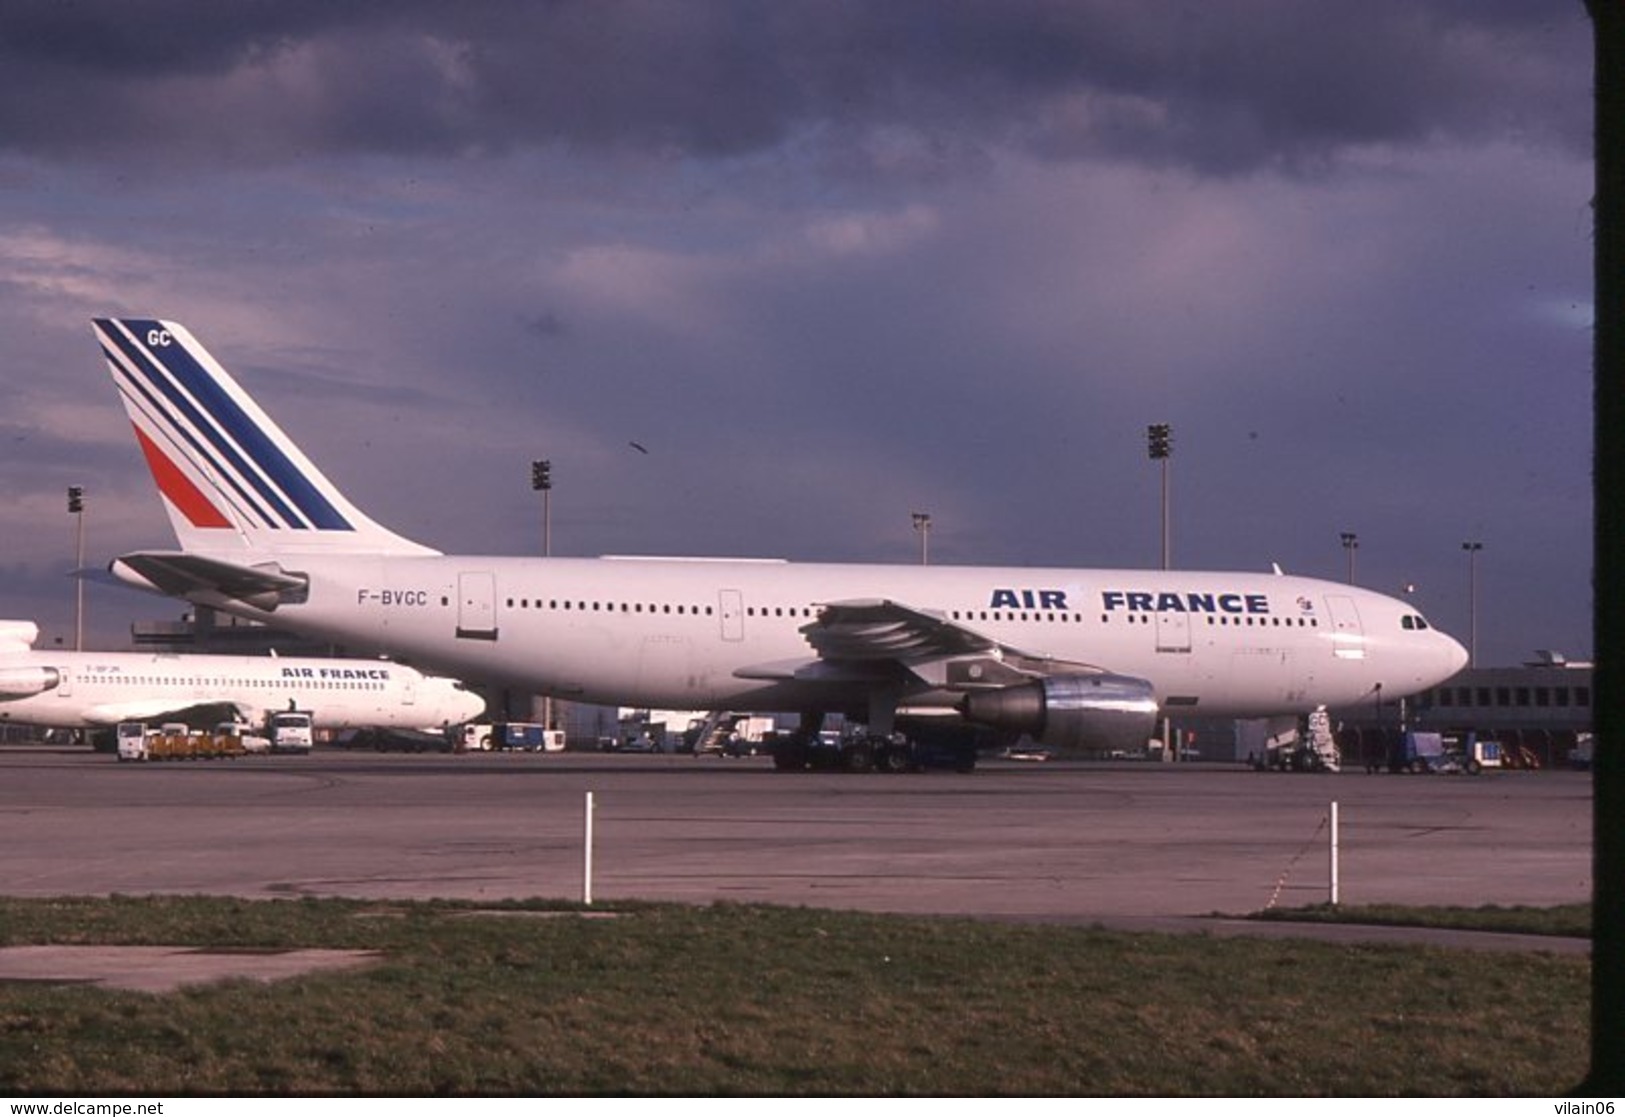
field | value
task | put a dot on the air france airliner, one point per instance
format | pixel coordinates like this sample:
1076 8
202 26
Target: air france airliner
1076 658
96 690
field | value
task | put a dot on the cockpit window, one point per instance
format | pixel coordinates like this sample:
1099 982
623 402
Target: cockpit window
1413 622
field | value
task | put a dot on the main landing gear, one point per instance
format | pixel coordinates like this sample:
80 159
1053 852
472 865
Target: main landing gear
811 750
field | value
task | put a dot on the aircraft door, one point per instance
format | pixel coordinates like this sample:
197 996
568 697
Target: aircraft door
731 603
1173 632
476 606
64 684
1348 636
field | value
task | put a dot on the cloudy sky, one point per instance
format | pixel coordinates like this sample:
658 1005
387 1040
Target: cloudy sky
830 263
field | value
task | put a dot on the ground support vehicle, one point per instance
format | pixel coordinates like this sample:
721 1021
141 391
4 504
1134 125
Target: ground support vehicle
1474 753
726 733
177 741
1419 753
132 741
171 741
1415 752
237 738
290 730
1291 750
527 736
476 737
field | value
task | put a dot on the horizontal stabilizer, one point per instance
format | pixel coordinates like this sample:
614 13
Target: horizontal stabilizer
207 581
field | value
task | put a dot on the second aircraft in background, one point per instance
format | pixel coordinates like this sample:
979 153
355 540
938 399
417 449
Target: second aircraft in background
96 690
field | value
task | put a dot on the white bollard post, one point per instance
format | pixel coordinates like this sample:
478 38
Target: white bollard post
1334 855
586 857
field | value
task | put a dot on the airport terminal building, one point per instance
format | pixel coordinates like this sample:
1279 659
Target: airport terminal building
1542 707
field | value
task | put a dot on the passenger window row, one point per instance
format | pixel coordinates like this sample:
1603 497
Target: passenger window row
611 607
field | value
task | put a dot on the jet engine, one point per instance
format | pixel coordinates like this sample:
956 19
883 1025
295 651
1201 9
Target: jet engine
1100 712
22 682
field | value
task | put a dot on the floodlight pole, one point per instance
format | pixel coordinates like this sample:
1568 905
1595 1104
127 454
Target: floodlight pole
1159 438
1472 548
922 525
1351 543
76 507
1160 447
541 480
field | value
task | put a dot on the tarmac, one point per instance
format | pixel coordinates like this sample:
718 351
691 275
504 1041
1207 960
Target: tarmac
1150 847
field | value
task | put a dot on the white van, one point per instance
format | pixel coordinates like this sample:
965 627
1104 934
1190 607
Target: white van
132 740
291 731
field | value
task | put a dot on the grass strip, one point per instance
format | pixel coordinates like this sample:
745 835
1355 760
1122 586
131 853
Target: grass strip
518 999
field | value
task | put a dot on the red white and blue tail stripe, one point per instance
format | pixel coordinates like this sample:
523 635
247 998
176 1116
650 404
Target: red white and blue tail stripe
230 478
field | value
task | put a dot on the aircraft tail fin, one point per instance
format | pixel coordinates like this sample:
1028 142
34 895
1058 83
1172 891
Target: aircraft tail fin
231 480
18 636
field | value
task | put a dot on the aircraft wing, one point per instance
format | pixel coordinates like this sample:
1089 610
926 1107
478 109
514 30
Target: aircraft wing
196 714
866 640
888 630
206 580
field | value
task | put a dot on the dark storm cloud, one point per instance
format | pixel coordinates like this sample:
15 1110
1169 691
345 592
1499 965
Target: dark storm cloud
1218 87
939 255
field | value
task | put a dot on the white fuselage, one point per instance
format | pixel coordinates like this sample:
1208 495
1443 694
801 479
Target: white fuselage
264 534
88 690
726 634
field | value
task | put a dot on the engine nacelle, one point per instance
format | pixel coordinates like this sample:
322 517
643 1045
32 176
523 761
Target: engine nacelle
24 682
1100 712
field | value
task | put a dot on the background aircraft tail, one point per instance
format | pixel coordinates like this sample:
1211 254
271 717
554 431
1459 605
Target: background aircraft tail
231 480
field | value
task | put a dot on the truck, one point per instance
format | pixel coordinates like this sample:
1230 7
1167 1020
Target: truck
526 735
132 741
1474 753
290 730
1417 752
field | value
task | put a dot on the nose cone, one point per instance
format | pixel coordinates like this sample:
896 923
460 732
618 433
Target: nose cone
463 705
449 701
1453 655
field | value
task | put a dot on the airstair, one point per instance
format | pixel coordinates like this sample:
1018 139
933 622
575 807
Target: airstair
1288 749
715 730
1322 745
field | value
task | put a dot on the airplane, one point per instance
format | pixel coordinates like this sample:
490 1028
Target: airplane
1073 658
97 690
